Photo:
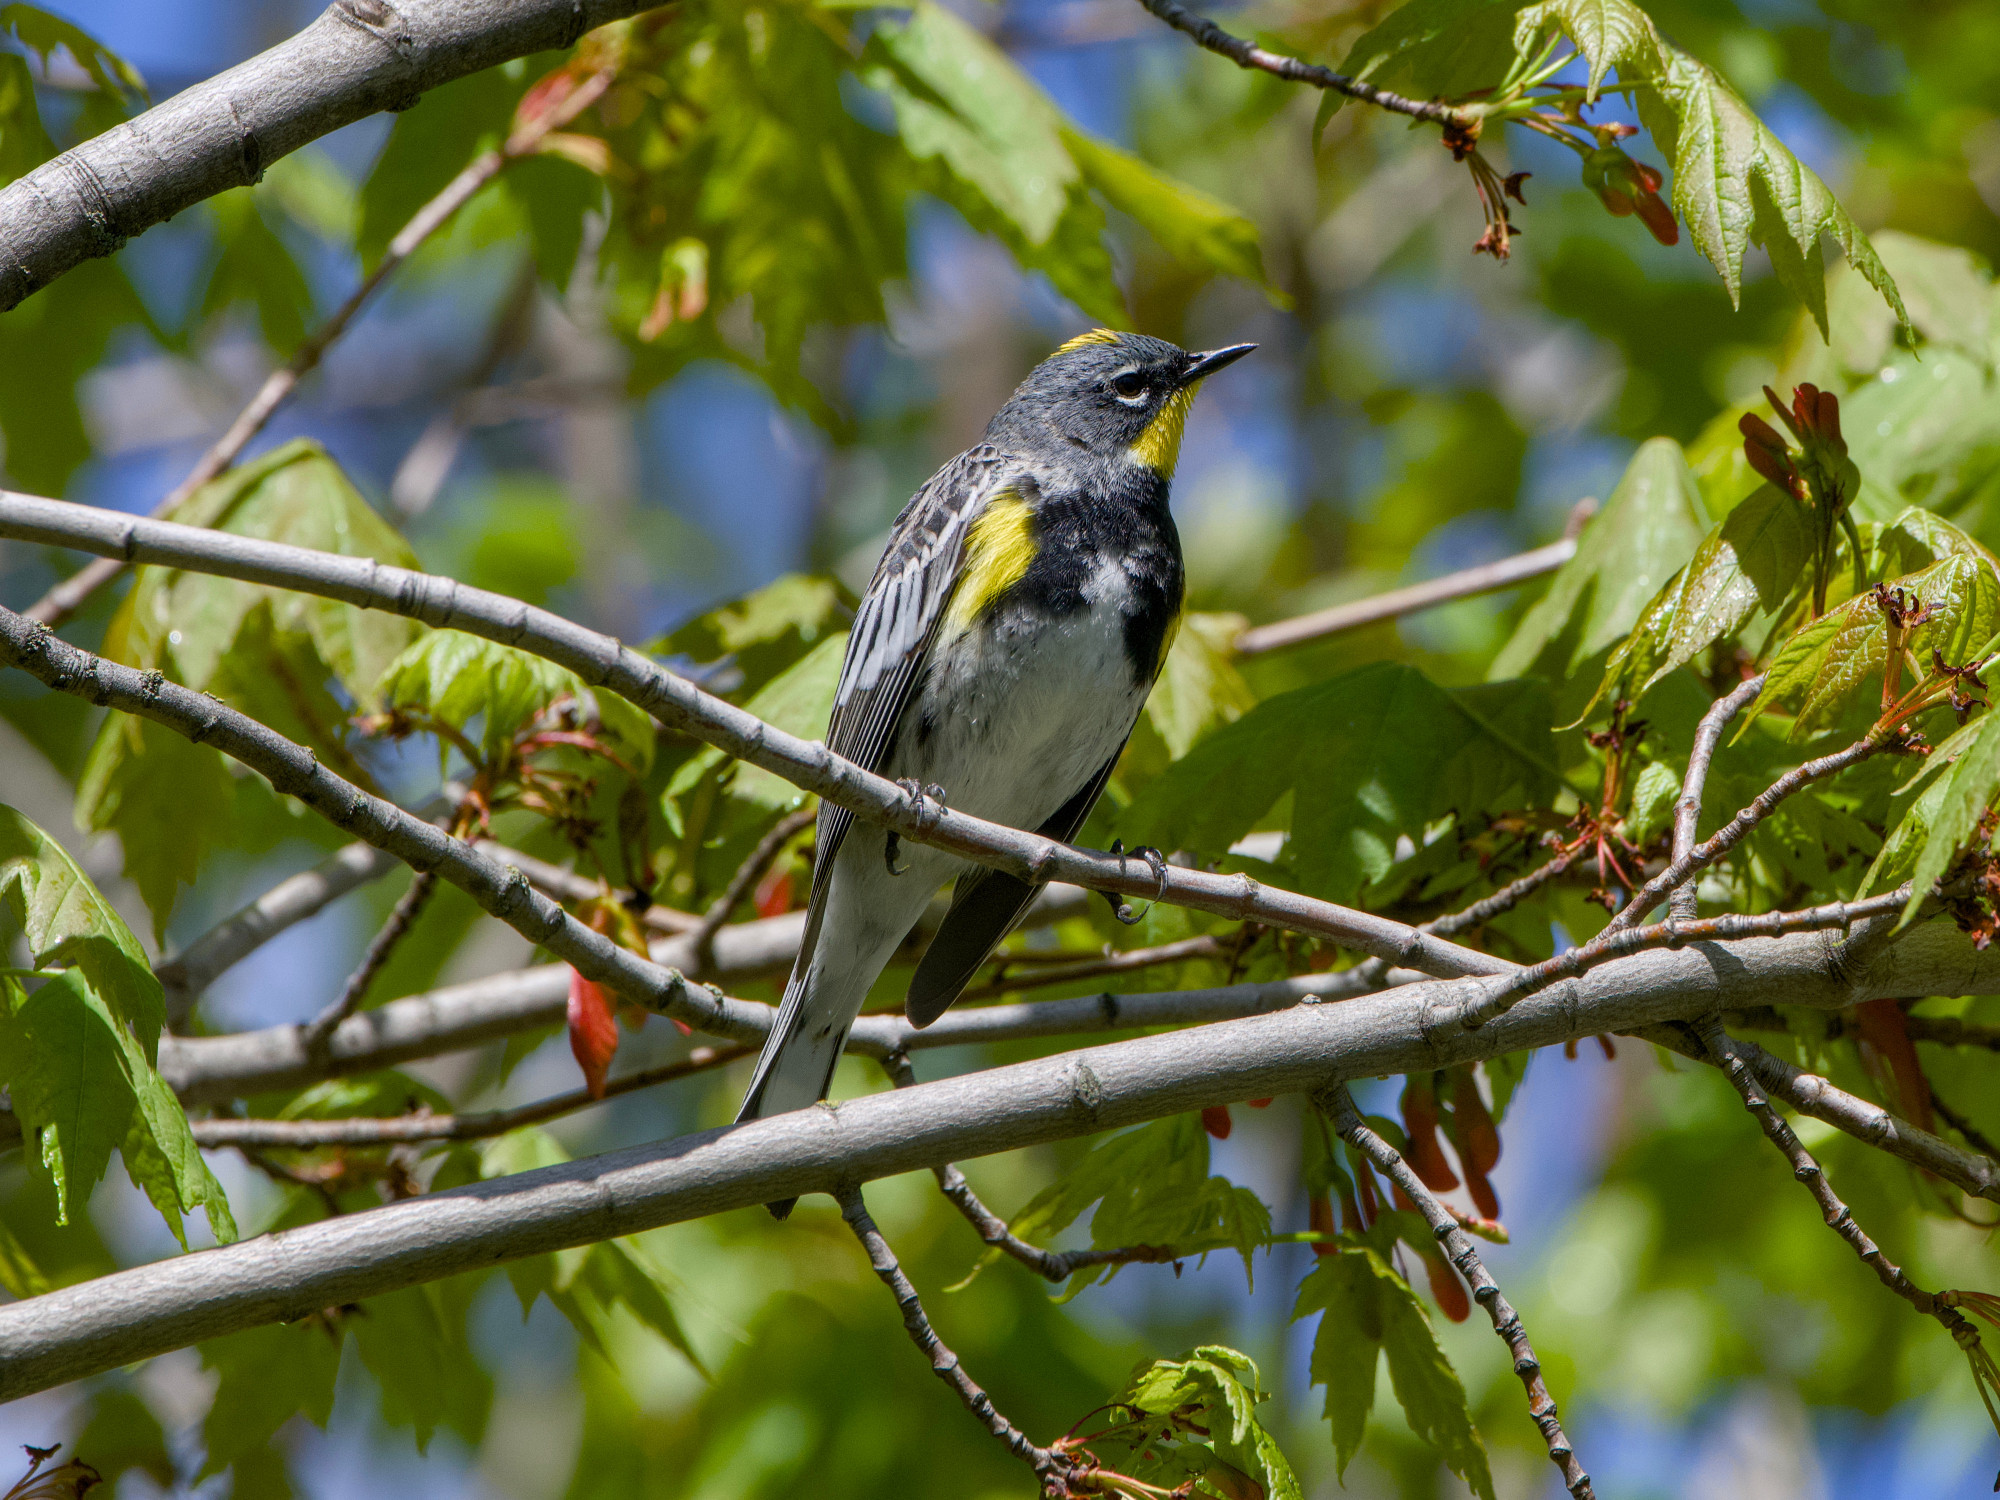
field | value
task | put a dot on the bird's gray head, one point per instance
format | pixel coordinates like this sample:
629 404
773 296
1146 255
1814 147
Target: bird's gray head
1113 395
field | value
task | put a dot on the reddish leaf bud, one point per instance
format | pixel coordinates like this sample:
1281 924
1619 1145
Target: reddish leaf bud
1215 1120
593 1031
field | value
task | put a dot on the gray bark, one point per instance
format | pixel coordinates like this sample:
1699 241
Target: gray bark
138 1313
358 57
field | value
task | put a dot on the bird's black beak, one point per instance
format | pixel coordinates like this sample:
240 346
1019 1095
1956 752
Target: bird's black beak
1215 359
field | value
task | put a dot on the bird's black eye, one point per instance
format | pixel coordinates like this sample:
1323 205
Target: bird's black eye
1128 383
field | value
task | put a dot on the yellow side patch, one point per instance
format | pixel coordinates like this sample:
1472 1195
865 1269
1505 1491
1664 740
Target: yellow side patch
1159 446
1085 340
997 553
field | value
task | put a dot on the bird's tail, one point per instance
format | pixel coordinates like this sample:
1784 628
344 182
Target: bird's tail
796 1066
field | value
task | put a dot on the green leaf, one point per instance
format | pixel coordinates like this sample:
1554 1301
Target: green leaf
1368 757
765 631
254 266
77 1055
44 33
1200 232
1367 1310
1218 1390
1150 1186
1199 689
798 700
1653 798
1755 560
123 1434
1436 47
414 1344
24 143
1823 667
1918 804
1735 184
961 99
1651 524
169 801
265 1377
459 679
1948 813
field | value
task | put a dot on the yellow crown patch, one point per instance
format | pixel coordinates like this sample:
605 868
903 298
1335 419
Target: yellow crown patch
1095 336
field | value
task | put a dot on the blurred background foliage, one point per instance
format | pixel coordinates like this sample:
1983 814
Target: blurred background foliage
675 376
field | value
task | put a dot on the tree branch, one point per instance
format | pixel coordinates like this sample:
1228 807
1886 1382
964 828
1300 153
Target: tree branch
358 57
62 601
1049 1468
1810 1094
1468 583
293 771
1248 55
1684 903
1336 1101
129 1315
306 1135
401 915
602 662
1839 1218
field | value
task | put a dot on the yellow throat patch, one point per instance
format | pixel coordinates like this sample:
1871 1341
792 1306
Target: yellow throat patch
997 553
1159 446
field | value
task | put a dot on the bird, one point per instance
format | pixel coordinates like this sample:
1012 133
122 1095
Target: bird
1005 646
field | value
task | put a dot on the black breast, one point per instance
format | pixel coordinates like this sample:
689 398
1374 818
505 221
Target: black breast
1077 531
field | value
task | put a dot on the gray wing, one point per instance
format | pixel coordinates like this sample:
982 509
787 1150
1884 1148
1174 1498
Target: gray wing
893 628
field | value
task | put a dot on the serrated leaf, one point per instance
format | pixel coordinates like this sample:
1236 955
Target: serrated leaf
265 1377
1945 816
169 800
1651 524
1653 798
1222 1388
1369 1310
461 679
414 1343
1199 688
1150 1186
1753 561
1735 184
1369 757
1831 661
1436 47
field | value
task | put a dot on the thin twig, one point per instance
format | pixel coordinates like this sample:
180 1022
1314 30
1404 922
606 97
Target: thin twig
760 859
1495 995
1336 1101
294 771
1055 1265
1129 961
1247 54
1974 1136
1465 584
67 597
683 706
306 1135
567 885
1813 1095
1051 1469
1839 1218
401 915
1685 904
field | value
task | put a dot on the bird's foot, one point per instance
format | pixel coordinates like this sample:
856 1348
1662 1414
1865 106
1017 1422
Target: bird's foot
1155 861
918 795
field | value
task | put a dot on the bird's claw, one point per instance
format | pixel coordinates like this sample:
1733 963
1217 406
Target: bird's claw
918 794
1155 861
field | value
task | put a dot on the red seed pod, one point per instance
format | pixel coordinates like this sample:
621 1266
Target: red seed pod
1477 1131
1420 1120
774 892
1448 1291
593 1031
1215 1120
1264 1103
1319 1219
1658 218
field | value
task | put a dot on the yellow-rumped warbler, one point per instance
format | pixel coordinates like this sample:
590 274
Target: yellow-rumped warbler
1002 653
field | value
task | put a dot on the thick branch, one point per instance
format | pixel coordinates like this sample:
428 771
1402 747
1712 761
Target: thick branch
678 703
1049 1468
1247 54
1337 1102
134 1314
358 57
1685 905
